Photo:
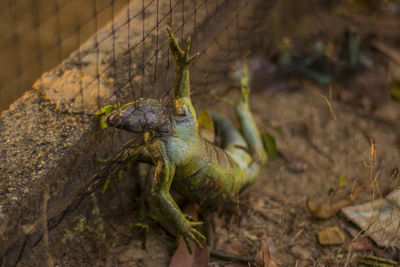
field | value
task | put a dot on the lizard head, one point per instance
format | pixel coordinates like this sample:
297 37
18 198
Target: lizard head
139 116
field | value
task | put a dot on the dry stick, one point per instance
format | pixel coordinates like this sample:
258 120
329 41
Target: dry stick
348 258
329 102
377 261
50 261
229 256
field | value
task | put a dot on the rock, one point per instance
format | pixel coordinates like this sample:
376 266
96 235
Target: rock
331 236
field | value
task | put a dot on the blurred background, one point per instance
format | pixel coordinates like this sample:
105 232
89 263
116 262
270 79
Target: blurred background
347 41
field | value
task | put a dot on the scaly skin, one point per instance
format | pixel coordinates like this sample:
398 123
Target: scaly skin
183 159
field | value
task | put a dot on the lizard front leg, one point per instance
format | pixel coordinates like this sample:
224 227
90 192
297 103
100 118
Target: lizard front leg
182 101
162 203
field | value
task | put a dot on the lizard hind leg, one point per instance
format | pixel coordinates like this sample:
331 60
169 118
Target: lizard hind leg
232 140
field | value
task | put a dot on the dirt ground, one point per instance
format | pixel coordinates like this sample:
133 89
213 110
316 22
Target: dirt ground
314 151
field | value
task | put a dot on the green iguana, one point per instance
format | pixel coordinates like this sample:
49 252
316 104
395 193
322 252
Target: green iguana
184 160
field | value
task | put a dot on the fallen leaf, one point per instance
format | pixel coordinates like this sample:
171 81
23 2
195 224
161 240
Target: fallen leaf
328 210
269 145
342 181
264 257
378 218
331 236
182 257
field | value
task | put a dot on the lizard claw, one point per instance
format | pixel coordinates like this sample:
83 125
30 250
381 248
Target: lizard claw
173 44
181 55
191 233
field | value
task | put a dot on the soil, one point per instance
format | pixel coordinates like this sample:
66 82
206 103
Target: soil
314 151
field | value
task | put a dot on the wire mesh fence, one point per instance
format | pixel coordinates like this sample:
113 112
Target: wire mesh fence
126 59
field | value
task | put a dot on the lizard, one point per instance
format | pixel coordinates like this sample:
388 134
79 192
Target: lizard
183 159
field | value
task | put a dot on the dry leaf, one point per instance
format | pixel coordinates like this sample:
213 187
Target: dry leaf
264 257
182 257
328 210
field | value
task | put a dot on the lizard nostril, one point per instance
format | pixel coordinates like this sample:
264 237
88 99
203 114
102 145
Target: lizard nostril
113 119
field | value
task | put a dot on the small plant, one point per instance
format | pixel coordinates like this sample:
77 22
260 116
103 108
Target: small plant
104 111
94 226
270 145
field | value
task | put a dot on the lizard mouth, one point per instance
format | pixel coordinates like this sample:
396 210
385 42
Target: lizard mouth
113 119
117 119
126 119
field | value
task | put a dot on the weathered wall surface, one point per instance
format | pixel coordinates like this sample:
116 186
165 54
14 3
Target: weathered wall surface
47 145
36 36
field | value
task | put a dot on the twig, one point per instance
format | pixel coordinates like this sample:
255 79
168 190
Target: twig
348 258
377 261
230 256
329 102
50 261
